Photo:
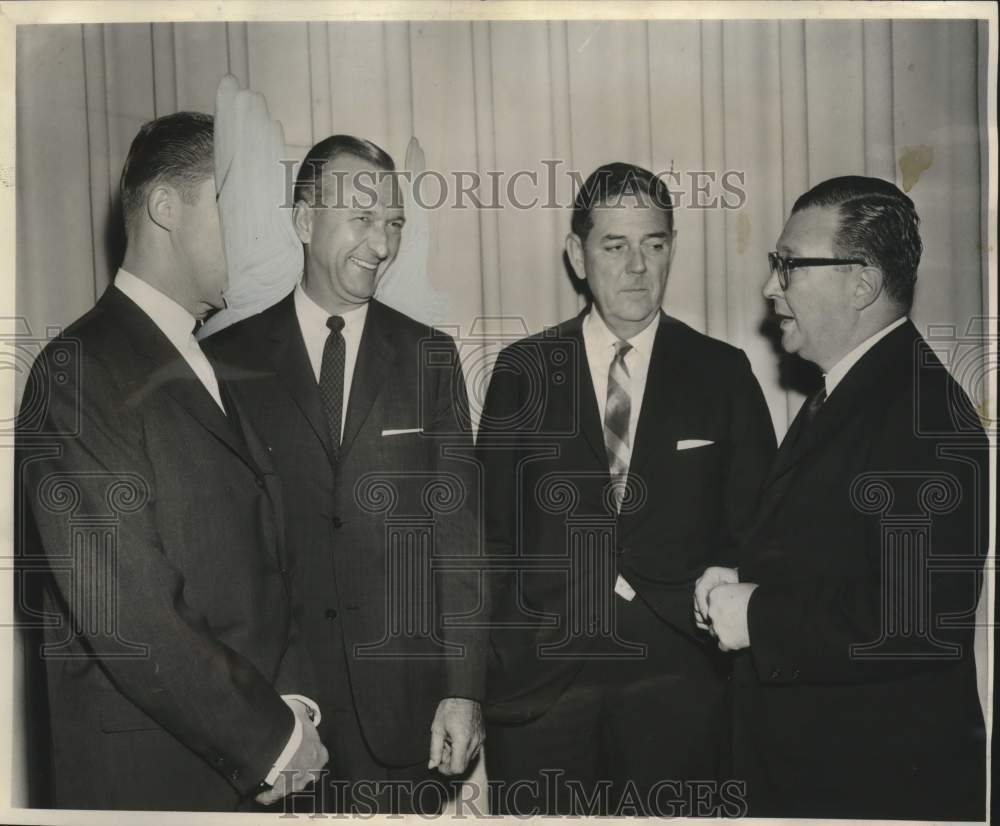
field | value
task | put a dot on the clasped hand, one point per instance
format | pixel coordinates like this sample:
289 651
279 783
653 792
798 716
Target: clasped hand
721 605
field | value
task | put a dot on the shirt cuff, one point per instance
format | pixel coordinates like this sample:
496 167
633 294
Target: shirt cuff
295 740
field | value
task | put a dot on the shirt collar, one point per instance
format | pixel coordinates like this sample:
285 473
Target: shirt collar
596 330
312 315
836 374
176 323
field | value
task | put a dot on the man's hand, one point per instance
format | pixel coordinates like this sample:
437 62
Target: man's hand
727 615
310 757
706 582
456 735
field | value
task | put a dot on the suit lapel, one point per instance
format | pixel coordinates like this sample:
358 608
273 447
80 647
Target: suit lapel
170 372
875 375
590 421
376 353
663 383
789 452
290 360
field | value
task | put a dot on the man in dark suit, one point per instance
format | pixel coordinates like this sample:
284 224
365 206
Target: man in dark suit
364 412
623 452
855 688
157 519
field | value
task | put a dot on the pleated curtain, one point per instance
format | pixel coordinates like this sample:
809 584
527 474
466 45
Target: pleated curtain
783 104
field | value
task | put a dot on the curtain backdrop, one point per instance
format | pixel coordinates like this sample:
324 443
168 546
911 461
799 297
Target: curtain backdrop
785 103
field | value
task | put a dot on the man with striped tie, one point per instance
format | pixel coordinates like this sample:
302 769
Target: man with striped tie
623 453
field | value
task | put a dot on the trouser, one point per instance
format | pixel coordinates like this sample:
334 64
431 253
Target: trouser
641 737
355 781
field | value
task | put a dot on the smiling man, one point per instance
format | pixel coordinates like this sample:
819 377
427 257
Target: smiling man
623 453
855 687
360 405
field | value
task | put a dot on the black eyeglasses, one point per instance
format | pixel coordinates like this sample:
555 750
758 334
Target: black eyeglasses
782 266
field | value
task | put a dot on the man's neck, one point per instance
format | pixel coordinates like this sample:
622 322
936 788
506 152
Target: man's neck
861 332
330 303
148 267
625 330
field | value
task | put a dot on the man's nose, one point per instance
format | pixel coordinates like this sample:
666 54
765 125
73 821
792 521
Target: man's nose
772 289
637 261
378 241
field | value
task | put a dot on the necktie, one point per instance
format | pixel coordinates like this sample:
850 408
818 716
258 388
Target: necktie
617 414
806 414
815 402
331 378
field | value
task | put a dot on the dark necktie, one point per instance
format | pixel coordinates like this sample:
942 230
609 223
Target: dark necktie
617 413
801 422
815 402
331 378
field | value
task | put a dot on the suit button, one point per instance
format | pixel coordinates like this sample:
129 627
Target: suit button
235 775
795 674
775 673
337 522
330 613
219 761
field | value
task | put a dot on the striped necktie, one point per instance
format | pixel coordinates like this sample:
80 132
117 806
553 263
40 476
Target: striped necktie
617 414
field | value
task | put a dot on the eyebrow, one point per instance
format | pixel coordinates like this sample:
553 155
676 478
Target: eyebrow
647 237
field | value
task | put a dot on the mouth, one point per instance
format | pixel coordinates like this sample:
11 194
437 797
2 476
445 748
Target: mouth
365 265
785 320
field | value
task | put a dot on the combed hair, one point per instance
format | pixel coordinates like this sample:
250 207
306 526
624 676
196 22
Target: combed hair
308 183
176 149
612 182
878 224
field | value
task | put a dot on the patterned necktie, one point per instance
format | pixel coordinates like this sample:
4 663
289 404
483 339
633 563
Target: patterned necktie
815 402
801 422
617 414
331 378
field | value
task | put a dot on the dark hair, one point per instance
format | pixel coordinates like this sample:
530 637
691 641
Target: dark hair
176 149
609 184
308 181
878 224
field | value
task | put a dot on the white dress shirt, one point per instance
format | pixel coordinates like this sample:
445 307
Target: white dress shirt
836 373
312 322
177 324
599 342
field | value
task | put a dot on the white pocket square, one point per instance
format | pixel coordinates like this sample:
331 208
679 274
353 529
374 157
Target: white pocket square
402 431
687 444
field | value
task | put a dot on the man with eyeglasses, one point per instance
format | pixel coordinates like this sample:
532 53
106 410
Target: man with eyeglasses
855 684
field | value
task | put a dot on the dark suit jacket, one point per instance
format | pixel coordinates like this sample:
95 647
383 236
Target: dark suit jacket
374 526
893 465
166 615
542 445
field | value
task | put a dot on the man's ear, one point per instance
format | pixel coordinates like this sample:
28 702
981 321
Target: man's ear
163 207
574 251
302 219
868 286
